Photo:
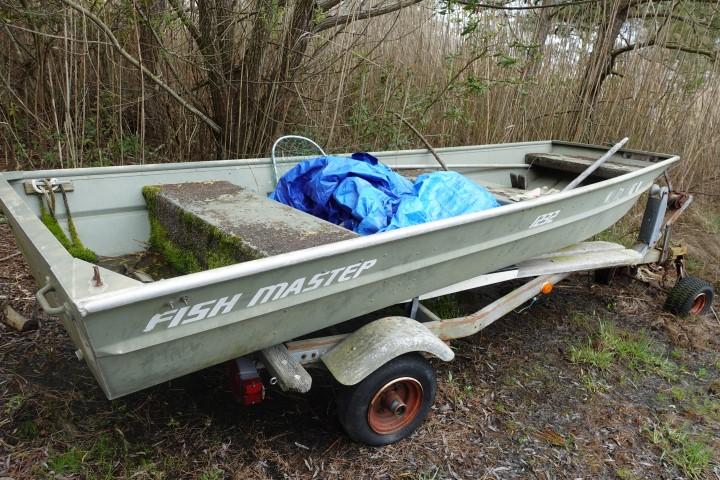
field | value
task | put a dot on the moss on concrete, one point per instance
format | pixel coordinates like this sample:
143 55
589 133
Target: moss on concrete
212 248
211 224
181 259
150 193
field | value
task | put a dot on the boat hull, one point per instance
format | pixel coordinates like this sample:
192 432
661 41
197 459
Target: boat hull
136 335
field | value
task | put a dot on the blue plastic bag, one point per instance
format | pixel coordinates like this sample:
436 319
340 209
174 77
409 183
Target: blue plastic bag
365 196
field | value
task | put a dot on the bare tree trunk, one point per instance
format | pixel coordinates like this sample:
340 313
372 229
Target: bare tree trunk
250 92
258 103
599 65
252 85
540 35
156 111
217 44
286 71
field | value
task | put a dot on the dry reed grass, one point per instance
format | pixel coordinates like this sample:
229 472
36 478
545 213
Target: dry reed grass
77 102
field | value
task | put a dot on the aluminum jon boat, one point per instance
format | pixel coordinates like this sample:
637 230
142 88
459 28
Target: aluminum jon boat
134 335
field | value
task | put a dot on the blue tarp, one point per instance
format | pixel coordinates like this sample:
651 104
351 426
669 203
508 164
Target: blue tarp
365 196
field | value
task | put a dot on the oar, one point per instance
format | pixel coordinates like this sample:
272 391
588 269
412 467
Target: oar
588 171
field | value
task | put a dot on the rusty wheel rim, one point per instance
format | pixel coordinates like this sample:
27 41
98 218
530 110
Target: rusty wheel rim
698 304
395 405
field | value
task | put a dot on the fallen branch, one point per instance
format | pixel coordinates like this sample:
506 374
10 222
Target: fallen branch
424 140
12 255
18 321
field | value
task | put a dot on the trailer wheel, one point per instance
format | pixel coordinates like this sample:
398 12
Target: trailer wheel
690 295
390 403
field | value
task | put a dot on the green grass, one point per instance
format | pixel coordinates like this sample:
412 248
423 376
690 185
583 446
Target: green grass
691 456
69 462
459 389
625 474
213 473
609 346
583 321
693 265
98 459
445 307
694 400
706 407
638 352
711 222
618 233
28 430
594 385
678 394
13 404
590 355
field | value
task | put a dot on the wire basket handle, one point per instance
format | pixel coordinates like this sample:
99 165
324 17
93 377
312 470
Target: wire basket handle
287 137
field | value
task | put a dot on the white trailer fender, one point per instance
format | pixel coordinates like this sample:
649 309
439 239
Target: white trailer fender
375 344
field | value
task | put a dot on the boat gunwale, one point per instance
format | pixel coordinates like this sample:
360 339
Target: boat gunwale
158 167
143 292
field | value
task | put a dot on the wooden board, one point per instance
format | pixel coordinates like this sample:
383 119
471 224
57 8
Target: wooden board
30 190
290 374
572 164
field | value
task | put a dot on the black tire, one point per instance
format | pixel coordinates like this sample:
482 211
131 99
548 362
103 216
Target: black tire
605 276
690 295
354 402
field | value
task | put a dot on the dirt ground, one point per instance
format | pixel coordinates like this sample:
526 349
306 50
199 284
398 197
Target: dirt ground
589 382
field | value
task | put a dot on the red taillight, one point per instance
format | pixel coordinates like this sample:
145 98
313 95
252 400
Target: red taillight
245 383
253 391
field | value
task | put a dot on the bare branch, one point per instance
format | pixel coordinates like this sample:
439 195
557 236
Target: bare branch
668 16
328 4
423 139
108 32
180 12
559 5
337 20
159 41
712 55
452 80
526 7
